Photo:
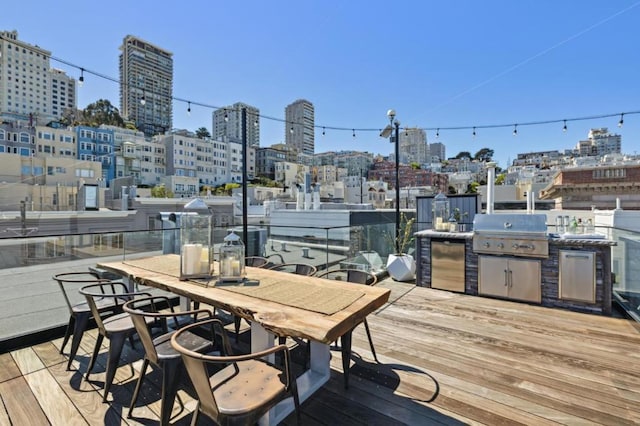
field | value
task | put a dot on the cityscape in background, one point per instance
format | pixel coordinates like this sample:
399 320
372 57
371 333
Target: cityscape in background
50 152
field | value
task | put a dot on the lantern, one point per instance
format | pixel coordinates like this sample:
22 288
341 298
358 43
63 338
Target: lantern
196 242
232 258
440 213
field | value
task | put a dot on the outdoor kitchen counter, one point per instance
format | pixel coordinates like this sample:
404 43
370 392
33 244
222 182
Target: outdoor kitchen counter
550 268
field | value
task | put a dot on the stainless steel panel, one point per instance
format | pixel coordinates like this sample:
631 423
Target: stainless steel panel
516 245
577 279
510 278
501 223
447 266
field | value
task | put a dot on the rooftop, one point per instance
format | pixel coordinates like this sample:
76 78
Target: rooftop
446 358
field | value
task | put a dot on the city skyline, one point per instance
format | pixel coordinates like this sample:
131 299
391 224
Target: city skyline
453 65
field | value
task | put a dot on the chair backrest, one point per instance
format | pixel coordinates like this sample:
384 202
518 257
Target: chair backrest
143 308
197 367
296 268
114 290
255 261
72 282
352 275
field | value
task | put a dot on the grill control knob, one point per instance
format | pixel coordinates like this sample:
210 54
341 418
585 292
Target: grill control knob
515 246
500 245
486 244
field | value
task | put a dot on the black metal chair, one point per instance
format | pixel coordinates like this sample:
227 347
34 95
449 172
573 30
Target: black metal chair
79 311
159 352
116 328
244 389
295 268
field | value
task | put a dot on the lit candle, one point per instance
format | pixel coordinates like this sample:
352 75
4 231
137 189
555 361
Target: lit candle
204 261
235 267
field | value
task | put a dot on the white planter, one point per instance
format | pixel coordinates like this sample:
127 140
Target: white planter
401 267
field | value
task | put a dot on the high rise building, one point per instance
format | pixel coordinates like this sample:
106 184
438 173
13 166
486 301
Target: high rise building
413 146
299 126
227 124
436 152
30 90
146 85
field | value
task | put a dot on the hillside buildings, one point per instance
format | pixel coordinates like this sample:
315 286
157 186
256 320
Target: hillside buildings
30 90
146 85
413 146
300 126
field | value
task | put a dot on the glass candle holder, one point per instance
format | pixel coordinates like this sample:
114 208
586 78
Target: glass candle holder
232 258
196 242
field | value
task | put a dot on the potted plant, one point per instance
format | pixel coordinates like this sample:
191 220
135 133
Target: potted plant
402 266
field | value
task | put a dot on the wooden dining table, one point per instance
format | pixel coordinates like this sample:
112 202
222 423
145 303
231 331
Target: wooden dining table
275 304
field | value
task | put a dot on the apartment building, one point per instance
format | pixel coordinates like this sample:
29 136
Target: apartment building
30 90
413 146
227 124
146 85
300 126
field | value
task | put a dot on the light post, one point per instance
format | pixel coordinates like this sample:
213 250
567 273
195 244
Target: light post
386 133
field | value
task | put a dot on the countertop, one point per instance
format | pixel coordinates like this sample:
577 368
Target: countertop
574 240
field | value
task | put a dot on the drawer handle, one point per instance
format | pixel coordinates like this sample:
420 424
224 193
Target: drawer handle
577 256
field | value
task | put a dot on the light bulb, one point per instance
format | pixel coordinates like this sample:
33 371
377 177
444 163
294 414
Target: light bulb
564 128
474 132
143 100
226 116
621 122
323 132
515 130
354 132
437 133
189 109
81 79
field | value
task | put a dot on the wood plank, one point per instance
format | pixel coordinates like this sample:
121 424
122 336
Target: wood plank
8 368
85 398
27 361
21 404
4 416
49 354
54 402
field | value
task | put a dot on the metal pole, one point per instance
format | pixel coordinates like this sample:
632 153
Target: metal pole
245 229
397 124
361 176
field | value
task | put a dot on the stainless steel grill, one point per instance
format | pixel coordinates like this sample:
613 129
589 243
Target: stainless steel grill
511 234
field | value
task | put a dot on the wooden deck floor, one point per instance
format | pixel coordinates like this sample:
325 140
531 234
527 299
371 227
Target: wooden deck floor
445 359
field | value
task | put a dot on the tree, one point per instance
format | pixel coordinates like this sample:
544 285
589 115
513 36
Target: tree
463 154
485 154
203 133
500 179
415 166
101 112
160 191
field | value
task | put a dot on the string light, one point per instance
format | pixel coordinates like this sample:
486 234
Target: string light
515 130
143 100
291 129
324 128
474 132
226 116
354 132
255 122
564 128
189 109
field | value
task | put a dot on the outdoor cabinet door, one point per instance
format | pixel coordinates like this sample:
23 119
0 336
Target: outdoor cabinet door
493 274
524 280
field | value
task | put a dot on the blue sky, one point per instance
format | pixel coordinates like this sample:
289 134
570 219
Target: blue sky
437 63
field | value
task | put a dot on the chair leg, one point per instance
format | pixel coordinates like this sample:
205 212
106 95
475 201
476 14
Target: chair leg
79 327
195 415
236 324
345 342
169 389
136 392
373 350
113 357
67 333
96 350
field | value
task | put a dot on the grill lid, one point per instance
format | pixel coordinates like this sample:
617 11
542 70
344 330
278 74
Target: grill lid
531 224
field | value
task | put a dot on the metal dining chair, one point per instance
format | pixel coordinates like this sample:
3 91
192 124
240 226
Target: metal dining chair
255 261
116 328
295 268
244 388
355 276
158 350
79 311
